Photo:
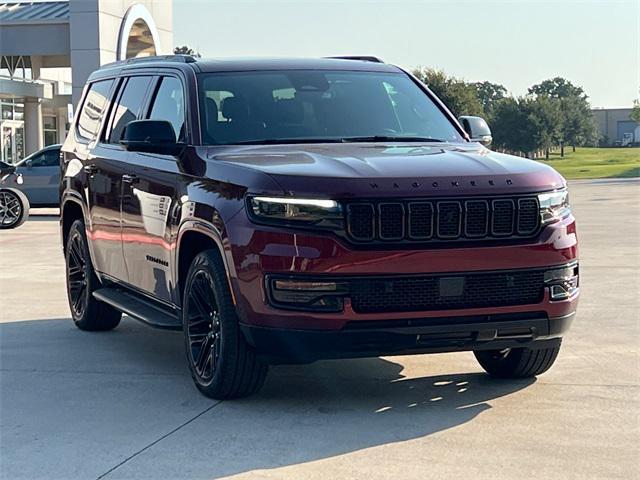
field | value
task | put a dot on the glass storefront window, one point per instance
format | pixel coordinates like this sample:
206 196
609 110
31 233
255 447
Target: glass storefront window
50 138
50 124
10 110
7 111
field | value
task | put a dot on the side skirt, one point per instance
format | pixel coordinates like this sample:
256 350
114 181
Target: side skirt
143 309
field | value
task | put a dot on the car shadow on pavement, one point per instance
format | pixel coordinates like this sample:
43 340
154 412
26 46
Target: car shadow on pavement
304 413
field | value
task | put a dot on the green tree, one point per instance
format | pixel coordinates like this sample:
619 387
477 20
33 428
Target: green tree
490 95
546 117
186 50
578 126
511 127
460 97
635 111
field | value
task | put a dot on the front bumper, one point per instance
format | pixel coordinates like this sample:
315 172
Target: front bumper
257 251
402 337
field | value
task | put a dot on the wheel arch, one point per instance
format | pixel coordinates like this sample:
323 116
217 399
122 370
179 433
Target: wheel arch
194 237
71 210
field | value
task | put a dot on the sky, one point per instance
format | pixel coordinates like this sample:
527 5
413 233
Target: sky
517 43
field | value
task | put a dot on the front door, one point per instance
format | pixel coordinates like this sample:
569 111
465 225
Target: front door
41 177
149 202
111 164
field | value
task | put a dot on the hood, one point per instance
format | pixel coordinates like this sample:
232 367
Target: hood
398 169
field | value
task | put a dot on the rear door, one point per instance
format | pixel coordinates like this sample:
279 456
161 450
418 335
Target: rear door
149 201
101 180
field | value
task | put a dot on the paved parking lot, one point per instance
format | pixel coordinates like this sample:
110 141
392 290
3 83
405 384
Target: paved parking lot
121 404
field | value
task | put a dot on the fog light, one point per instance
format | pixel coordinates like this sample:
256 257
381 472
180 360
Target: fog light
562 282
309 295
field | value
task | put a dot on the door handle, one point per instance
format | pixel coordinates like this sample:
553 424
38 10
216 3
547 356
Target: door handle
90 169
130 178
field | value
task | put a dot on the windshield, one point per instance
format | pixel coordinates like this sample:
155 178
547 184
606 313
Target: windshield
300 106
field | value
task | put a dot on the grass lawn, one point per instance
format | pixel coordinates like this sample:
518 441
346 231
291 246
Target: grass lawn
597 162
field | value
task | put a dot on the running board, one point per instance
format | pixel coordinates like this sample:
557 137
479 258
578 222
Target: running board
141 309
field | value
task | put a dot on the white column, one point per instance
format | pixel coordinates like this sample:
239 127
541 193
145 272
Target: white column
33 134
36 64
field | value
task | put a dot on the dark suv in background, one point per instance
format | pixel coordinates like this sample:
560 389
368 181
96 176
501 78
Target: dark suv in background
294 210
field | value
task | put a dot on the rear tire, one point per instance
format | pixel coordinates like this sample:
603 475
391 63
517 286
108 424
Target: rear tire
14 208
517 362
87 312
222 364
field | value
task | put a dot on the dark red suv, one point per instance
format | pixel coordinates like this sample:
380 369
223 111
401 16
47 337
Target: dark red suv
294 210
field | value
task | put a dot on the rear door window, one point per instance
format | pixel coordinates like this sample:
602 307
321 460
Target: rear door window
128 107
93 109
168 104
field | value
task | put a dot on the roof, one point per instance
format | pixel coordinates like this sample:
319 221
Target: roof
33 12
264 64
206 65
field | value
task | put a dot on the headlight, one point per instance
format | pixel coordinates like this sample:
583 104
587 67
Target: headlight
296 211
554 205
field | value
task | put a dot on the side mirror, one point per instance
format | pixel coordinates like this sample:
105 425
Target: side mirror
152 136
477 129
29 163
6 169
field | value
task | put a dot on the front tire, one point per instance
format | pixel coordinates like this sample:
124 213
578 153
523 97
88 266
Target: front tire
87 312
517 362
222 364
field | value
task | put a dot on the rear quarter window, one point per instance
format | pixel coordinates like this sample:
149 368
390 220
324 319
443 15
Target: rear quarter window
93 109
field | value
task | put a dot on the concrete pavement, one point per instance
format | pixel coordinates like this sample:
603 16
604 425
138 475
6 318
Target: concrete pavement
121 405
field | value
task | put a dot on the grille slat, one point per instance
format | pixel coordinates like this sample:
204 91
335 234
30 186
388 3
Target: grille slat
503 213
528 216
472 290
391 221
443 219
477 218
449 219
361 221
420 220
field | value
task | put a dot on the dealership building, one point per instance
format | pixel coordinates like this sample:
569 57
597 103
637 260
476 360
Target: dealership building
49 48
613 124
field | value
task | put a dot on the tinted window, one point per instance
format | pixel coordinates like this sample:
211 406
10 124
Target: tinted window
49 158
128 107
316 105
93 109
169 105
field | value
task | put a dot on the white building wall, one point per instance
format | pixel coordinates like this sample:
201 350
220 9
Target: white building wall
95 29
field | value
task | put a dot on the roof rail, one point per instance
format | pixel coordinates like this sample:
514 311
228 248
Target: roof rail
362 58
154 58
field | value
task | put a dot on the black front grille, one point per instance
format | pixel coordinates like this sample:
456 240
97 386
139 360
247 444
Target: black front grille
445 292
446 219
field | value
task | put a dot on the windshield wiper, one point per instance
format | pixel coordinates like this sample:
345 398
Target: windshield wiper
276 141
390 138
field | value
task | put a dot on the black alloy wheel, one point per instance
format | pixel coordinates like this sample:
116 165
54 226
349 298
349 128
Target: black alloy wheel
222 363
88 313
77 275
203 326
